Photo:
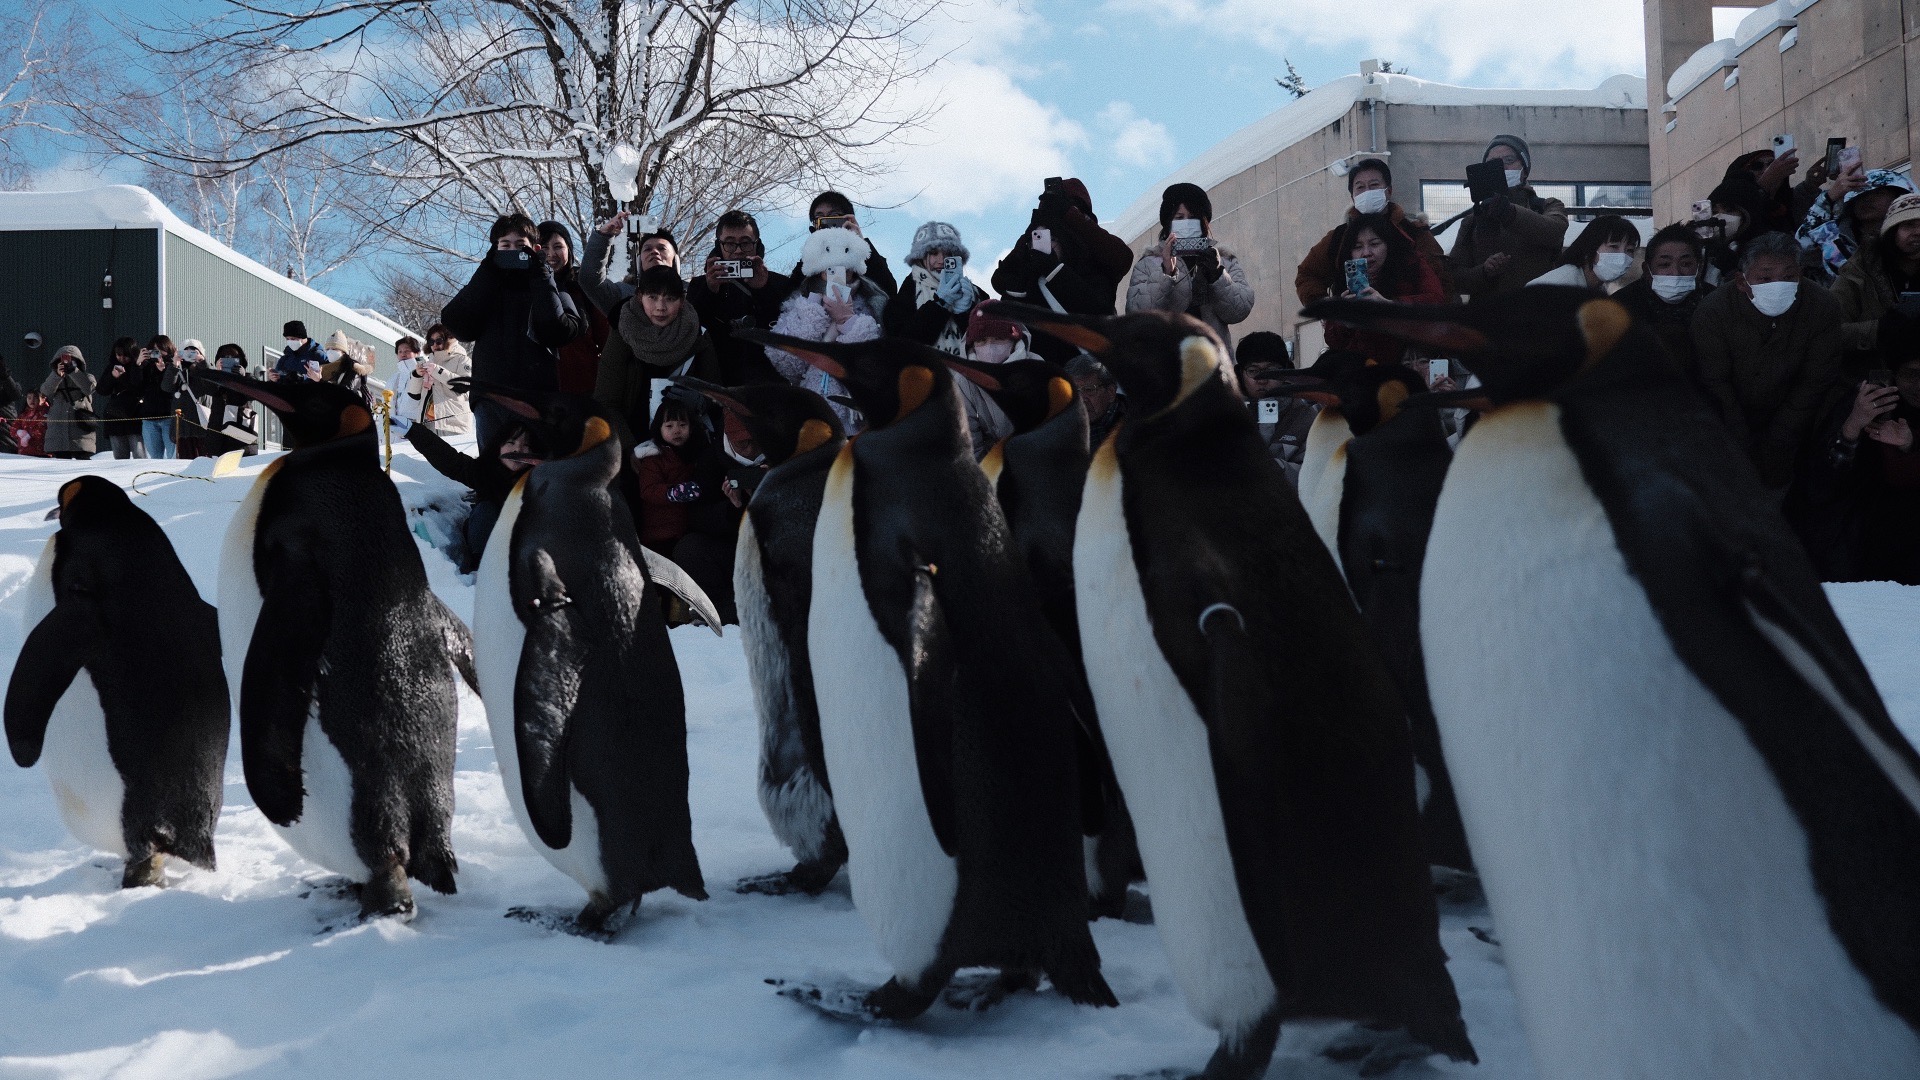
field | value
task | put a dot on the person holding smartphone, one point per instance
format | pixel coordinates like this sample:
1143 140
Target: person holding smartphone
161 381
1513 237
1859 512
832 210
118 396
516 315
69 389
1283 419
1848 212
933 305
1370 191
1378 258
1064 261
1193 273
1884 274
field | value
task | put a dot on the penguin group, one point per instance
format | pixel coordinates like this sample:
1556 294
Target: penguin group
1579 656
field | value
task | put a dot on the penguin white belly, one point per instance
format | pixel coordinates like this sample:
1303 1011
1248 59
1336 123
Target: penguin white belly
87 787
1161 756
497 639
237 594
1648 881
1323 503
323 835
903 883
797 807
1328 432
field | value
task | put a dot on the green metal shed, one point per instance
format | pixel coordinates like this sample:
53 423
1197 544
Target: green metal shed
86 267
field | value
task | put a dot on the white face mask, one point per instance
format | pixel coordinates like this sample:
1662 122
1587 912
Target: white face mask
1672 288
991 351
332 355
1612 265
1371 201
294 344
1514 176
1773 298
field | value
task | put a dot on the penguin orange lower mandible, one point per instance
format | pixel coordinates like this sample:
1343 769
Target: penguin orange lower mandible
1256 735
1697 827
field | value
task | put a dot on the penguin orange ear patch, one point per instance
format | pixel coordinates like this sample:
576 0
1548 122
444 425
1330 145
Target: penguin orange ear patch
1059 396
596 433
916 385
354 419
813 433
1602 324
1390 397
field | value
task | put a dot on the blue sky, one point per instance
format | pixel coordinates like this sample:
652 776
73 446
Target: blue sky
1121 92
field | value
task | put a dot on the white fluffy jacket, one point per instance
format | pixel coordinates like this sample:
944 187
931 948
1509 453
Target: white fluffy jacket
804 316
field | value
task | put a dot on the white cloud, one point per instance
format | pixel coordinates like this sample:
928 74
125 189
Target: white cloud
1136 140
1490 42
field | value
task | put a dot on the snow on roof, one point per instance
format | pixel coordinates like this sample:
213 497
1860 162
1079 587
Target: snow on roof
1701 66
1324 104
125 206
1765 20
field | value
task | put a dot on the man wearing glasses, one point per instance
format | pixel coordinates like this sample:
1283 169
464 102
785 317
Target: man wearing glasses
737 292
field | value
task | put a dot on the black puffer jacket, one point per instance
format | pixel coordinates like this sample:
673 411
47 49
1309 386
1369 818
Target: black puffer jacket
517 321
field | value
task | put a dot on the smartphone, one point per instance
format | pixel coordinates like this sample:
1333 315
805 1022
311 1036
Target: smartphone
1880 377
1437 369
513 259
1702 209
837 286
1486 179
836 221
1357 282
1269 411
1189 236
1043 241
1834 146
1848 157
1782 145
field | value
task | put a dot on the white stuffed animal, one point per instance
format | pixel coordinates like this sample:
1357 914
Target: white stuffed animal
828 248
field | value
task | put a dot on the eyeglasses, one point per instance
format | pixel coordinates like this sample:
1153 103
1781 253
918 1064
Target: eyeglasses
436 341
736 245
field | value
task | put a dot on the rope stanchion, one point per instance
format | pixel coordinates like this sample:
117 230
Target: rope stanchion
385 409
134 484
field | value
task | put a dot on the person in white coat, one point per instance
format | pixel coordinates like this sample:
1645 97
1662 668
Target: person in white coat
422 390
1206 283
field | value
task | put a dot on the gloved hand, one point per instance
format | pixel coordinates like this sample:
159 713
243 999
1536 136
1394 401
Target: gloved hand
1208 265
1497 210
1036 264
954 292
685 491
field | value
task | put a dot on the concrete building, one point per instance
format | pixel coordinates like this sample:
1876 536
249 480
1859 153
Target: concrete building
87 267
1812 69
1279 184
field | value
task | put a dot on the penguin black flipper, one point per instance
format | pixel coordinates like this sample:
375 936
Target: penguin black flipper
277 688
45 668
1730 583
459 642
930 689
543 705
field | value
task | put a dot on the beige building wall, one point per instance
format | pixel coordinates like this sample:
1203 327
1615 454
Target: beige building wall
1270 214
1851 68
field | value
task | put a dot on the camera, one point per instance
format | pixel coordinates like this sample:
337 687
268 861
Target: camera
1190 237
733 269
835 221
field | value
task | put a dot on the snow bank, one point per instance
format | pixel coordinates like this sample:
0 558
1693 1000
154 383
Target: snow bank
1324 104
257 969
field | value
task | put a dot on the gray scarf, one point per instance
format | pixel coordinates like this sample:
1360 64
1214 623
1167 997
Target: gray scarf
658 346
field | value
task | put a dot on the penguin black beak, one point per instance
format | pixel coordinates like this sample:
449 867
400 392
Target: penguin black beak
1310 387
1435 326
809 351
980 375
52 515
714 393
499 395
1475 399
259 391
1082 331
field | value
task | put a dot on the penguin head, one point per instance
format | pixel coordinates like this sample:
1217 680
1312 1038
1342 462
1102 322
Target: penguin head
1161 359
1367 393
560 425
1522 345
90 500
93 558
311 412
785 421
1030 392
889 379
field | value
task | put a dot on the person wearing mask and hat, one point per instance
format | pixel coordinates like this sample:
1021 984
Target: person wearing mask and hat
230 416
1665 297
1768 352
1847 212
933 304
579 359
1207 284
1064 261
1869 286
989 340
827 206
1512 238
606 292
1601 258
188 400
1370 187
302 358
349 364
69 393
517 317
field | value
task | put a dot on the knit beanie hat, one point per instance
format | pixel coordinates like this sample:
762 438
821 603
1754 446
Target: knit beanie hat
1904 208
1262 347
936 236
1192 196
294 329
551 229
981 326
1518 145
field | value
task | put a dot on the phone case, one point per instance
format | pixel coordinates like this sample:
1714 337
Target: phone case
1357 282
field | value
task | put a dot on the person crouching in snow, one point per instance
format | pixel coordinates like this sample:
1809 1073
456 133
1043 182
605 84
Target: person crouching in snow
489 475
835 303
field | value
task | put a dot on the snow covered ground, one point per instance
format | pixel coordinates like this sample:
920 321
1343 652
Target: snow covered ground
252 971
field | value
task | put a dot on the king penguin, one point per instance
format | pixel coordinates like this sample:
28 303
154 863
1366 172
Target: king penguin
1697 827
341 658
800 435
582 689
133 731
1037 474
945 716
1256 736
1376 496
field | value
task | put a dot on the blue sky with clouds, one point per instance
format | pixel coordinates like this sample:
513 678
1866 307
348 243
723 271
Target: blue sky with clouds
1121 92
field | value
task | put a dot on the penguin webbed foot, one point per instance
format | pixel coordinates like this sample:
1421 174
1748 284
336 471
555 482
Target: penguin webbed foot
1376 1052
891 1002
387 895
600 910
980 991
144 872
1249 1058
806 878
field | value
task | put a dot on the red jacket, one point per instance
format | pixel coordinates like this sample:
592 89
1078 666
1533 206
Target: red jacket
662 523
1382 347
30 431
577 362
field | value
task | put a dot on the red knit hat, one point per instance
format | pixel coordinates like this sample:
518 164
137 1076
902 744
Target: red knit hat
981 325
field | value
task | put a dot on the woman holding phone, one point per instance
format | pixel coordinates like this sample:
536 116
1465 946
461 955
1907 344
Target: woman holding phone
1376 261
1064 261
1189 271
